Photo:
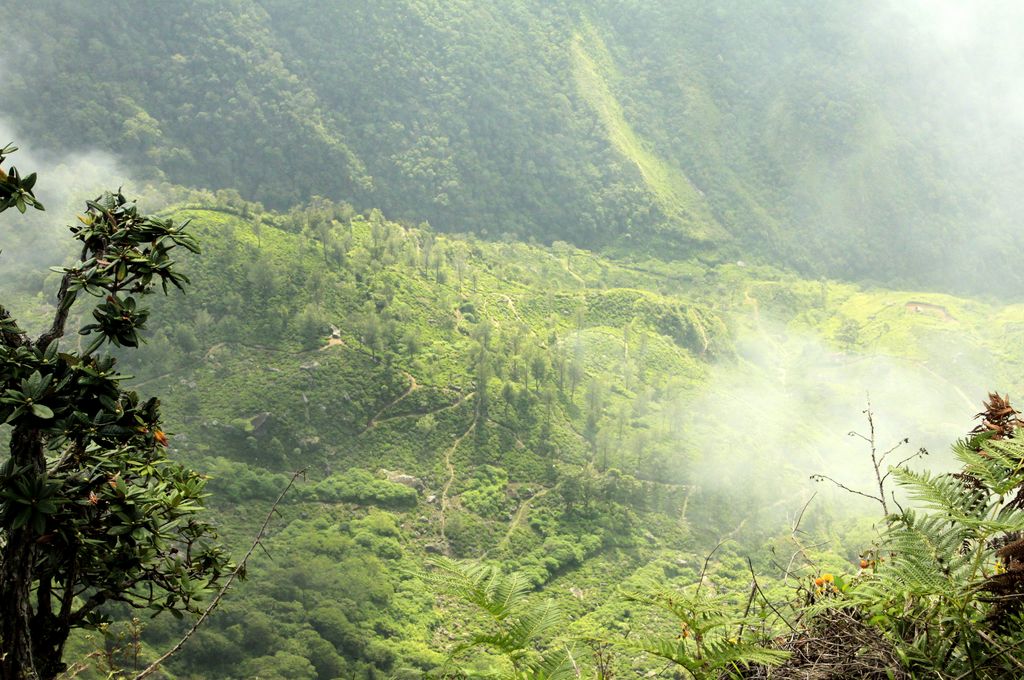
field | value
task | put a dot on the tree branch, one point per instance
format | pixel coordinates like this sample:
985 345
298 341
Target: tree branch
757 587
920 452
818 478
704 569
65 299
238 570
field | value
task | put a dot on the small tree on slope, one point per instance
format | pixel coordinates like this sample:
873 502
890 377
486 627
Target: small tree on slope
91 509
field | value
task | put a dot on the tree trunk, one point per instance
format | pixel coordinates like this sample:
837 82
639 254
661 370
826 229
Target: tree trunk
16 570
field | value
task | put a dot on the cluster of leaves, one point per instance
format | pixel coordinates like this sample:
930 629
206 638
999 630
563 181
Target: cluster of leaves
704 637
92 510
15 190
711 638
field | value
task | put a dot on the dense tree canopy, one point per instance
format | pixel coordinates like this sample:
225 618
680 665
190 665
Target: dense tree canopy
782 133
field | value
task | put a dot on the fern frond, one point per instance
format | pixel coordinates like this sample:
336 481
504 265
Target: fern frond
725 654
520 633
536 623
555 665
678 651
715 654
699 612
927 553
942 492
999 465
481 585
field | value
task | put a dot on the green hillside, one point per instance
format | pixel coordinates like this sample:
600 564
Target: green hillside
780 134
569 415
587 330
681 202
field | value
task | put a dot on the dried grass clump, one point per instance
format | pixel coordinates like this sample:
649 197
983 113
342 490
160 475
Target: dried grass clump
835 645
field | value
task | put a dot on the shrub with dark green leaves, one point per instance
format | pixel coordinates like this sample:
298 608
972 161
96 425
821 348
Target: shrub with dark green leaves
92 511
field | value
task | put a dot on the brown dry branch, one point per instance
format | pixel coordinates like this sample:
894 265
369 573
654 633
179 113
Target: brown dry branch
878 463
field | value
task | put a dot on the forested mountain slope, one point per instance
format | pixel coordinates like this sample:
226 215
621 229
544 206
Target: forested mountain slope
836 138
584 289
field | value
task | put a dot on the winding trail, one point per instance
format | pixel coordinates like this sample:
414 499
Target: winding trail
567 266
515 312
443 524
518 517
155 378
373 421
414 414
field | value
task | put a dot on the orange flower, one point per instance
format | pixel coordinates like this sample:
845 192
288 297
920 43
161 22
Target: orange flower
864 564
819 581
93 498
160 437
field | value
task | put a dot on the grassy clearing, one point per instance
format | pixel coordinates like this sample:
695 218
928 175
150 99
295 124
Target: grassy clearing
682 203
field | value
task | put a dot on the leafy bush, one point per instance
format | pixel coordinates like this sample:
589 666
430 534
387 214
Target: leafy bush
360 486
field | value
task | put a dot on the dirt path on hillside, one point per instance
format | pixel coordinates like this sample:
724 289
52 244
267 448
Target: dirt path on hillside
333 342
414 414
568 268
518 517
373 421
155 378
443 524
515 312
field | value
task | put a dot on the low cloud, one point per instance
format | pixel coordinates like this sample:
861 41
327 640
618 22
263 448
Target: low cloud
36 241
783 409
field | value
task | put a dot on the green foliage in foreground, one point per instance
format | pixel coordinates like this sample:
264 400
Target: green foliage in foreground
707 638
948 592
513 626
92 510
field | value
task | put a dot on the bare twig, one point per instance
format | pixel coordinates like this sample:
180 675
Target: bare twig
1002 651
877 462
238 570
764 597
704 569
801 551
893 494
905 440
818 478
750 600
794 535
919 453
800 517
